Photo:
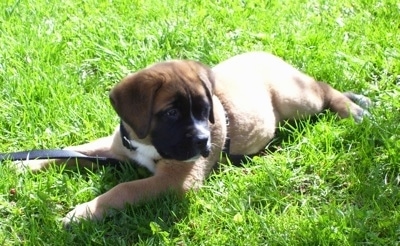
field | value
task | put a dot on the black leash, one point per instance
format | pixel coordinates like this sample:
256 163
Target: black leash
69 154
55 154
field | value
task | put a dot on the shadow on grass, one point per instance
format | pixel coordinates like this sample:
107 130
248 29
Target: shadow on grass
364 210
283 133
152 221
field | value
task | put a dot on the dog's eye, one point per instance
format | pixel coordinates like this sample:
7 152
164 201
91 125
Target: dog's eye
205 112
172 114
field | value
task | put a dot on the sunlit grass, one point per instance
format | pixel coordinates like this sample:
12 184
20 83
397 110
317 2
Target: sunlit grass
324 182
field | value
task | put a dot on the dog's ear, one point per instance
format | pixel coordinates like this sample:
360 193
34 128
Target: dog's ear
133 99
207 78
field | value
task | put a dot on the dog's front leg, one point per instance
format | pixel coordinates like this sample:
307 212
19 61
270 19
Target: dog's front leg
169 176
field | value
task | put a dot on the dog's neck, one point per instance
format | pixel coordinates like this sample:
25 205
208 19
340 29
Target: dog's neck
143 154
234 159
127 143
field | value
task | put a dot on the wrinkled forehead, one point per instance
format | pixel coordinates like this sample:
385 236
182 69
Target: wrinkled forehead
180 84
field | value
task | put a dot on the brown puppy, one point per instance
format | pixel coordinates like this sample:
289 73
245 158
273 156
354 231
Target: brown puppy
174 120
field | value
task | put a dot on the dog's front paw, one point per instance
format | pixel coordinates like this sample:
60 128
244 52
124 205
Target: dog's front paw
84 211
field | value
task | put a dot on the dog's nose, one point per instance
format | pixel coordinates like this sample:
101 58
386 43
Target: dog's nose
203 145
201 141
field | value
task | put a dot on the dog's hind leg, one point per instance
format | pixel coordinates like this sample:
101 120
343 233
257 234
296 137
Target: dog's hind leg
302 96
346 104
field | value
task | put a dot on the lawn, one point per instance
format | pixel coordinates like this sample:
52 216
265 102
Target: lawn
322 181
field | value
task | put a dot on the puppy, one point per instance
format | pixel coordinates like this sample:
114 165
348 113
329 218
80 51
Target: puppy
175 115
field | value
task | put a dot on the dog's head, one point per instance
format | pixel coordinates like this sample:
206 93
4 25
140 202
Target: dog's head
171 103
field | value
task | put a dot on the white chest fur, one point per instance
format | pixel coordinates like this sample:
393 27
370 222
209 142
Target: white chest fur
144 155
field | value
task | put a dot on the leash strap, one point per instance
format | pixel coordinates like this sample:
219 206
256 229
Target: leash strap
69 154
55 154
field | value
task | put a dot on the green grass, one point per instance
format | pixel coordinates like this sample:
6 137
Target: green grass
327 182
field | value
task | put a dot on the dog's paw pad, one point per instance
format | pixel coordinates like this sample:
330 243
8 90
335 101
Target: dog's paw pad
68 219
359 115
363 101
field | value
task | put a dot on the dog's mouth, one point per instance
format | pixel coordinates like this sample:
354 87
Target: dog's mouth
194 158
188 156
206 152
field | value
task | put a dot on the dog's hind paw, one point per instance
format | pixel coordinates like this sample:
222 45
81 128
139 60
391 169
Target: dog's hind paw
359 114
363 101
359 110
